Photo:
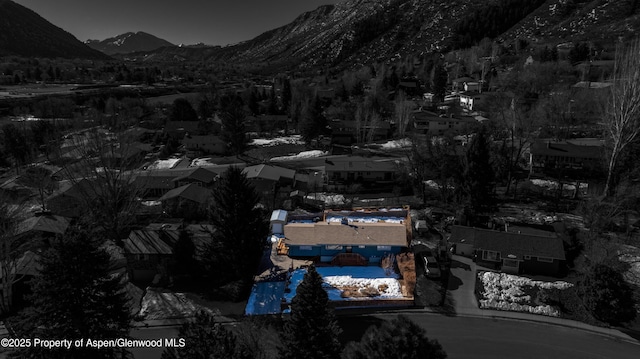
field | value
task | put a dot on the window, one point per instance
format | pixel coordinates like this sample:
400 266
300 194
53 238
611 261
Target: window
545 259
384 248
491 256
510 263
305 248
362 247
333 247
527 257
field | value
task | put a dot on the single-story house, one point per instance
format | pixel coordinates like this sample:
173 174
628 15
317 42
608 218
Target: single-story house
571 154
149 252
510 252
200 145
45 223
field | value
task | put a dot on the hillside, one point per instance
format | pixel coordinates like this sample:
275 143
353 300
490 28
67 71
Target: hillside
128 42
356 32
25 33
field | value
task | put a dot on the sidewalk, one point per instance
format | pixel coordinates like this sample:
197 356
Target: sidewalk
461 288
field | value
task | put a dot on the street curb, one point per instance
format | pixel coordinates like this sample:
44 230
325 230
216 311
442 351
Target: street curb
606 332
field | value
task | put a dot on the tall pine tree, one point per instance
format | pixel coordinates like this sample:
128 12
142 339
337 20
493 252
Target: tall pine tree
478 173
312 330
240 228
206 339
75 296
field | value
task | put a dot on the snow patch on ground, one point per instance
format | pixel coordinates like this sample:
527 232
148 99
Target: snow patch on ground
284 140
301 155
164 164
202 162
395 144
631 255
158 304
505 292
554 185
329 199
367 282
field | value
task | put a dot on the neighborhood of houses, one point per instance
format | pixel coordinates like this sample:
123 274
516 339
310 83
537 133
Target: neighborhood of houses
336 208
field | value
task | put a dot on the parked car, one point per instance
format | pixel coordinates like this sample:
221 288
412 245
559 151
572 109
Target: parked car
431 267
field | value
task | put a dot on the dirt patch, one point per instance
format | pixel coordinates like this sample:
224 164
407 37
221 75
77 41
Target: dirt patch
407 266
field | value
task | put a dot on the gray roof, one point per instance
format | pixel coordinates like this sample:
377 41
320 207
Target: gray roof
506 243
151 242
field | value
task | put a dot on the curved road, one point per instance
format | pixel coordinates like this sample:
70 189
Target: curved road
469 337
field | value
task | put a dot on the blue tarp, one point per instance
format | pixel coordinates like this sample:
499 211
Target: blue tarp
265 298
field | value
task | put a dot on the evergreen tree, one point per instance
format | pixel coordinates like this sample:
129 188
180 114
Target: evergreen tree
233 126
478 173
311 331
439 82
399 338
181 110
607 296
184 255
286 96
205 339
240 228
314 123
75 296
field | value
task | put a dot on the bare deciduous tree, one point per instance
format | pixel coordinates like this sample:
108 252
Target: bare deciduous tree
12 252
622 113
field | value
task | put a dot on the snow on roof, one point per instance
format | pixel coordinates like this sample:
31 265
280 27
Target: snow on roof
279 215
265 298
301 155
164 164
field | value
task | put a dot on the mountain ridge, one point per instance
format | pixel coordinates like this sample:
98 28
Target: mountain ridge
25 33
128 42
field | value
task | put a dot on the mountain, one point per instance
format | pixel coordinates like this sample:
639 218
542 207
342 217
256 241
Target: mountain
25 33
356 32
128 42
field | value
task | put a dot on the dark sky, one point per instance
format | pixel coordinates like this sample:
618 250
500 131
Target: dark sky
213 22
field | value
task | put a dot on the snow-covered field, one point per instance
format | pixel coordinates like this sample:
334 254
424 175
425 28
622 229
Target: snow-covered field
164 164
284 140
351 283
301 155
505 292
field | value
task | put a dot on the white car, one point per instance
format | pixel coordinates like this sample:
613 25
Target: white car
431 267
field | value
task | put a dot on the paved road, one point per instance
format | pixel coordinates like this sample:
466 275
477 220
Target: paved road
464 337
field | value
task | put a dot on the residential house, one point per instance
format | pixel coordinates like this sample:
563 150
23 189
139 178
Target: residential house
349 132
430 123
178 129
204 145
149 252
155 183
44 223
192 193
354 169
273 183
72 198
362 236
577 154
510 252
459 83
472 101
